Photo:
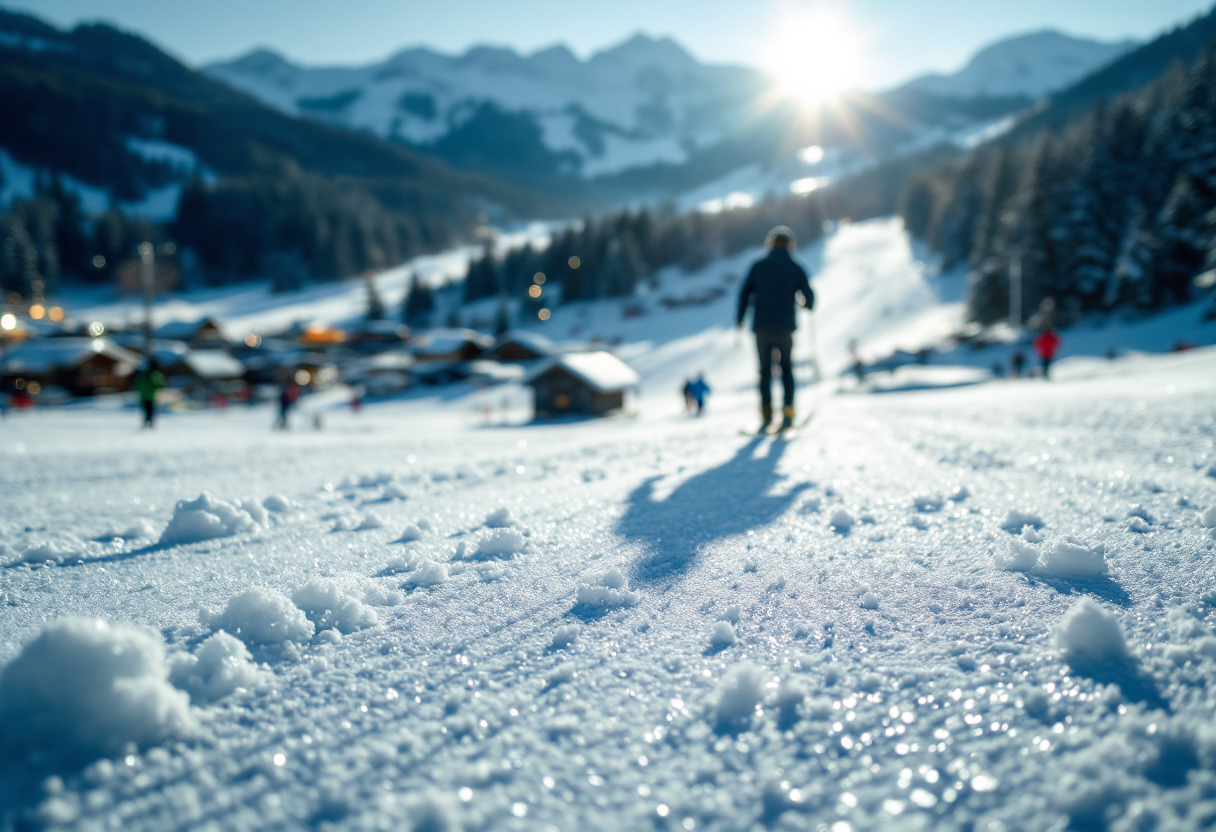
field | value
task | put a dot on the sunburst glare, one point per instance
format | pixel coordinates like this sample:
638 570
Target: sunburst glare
815 54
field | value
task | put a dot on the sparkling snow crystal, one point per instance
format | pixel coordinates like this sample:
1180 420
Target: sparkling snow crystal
257 616
206 518
85 687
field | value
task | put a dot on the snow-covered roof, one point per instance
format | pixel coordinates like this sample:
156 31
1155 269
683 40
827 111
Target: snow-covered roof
601 371
182 330
447 341
213 364
48 354
390 360
531 340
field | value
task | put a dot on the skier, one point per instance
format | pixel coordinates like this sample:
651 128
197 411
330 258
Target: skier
287 399
698 390
1045 344
774 283
148 381
689 404
1017 363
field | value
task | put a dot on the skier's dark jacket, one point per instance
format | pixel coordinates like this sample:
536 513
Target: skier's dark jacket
773 281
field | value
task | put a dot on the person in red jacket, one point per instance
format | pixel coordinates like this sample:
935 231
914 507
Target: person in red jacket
1045 344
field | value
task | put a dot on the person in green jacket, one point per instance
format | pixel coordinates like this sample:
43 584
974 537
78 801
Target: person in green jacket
148 380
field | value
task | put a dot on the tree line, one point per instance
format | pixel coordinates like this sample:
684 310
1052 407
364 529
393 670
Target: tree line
1116 209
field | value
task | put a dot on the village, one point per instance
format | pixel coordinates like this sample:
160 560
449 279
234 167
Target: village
47 359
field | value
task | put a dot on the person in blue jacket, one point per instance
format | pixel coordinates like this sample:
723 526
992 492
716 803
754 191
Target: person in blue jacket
699 390
772 289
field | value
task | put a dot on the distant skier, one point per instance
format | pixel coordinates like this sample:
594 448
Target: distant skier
1017 363
288 397
1046 343
698 390
775 283
149 380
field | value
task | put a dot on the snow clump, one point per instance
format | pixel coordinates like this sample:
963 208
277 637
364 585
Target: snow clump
57 549
1088 634
220 666
278 503
1016 520
564 636
869 601
500 518
85 688
1208 518
371 520
841 520
1068 556
1062 558
328 607
609 591
739 694
206 518
927 502
500 543
722 636
429 574
410 534
258 616
732 614
394 491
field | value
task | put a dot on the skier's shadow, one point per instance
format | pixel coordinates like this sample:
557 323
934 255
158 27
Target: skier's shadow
713 505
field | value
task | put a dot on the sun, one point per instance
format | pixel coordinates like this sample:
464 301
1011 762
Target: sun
814 55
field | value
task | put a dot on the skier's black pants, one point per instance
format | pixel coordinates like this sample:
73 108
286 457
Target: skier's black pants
779 346
149 413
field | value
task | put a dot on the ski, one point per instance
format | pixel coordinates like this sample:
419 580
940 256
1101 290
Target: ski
778 430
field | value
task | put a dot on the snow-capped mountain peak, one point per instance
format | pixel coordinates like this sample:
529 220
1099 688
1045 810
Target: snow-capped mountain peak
1026 66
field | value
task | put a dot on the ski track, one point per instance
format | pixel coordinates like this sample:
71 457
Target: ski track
456 706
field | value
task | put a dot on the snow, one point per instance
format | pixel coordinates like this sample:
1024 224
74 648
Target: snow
600 370
261 617
722 635
220 666
1089 634
84 687
501 543
328 607
573 683
205 518
1031 65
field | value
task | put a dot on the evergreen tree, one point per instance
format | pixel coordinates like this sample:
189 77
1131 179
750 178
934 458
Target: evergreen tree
375 304
502 318
419 303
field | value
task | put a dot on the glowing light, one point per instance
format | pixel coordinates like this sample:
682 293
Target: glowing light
539 278
280 759
99 262
812 155
574 262
544 314
96 329
303 376
807 185
55 313
37 311
34 388
736 199
252 340
8 321
815 54
534 291
98 345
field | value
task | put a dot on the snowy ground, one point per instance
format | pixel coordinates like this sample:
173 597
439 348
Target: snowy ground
670 626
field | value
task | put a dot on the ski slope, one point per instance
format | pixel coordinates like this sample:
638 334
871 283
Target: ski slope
987 607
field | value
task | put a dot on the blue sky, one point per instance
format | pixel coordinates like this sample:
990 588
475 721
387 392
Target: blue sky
896 39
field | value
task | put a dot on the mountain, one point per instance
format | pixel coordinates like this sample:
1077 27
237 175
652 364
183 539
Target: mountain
1133 69
547 114
109 116
1028 66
